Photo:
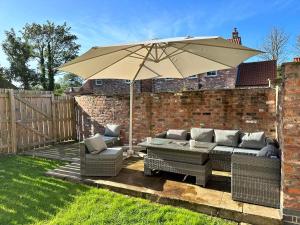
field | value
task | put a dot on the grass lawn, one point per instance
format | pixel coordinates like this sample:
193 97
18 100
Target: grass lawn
29 197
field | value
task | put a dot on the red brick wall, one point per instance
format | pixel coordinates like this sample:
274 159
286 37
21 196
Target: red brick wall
245 109
290 142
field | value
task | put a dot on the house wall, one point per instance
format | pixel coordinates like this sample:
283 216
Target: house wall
289 134
245 109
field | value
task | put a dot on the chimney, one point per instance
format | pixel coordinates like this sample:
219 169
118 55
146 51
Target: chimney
235 37
297 59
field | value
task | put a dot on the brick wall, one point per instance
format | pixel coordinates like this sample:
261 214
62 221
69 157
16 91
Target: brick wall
245 109
290 143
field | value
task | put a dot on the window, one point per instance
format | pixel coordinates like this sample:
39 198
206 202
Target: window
192 77
98 82
127 81
212 73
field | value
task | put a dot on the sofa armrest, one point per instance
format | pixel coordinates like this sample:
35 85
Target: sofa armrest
254 166
83 150
161 135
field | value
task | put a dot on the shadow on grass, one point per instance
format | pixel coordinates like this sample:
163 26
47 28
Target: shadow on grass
26 195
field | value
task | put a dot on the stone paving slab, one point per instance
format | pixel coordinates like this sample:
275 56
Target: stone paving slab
166 188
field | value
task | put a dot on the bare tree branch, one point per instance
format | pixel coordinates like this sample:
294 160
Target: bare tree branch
275 45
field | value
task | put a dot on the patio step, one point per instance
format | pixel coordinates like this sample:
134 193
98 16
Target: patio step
227 209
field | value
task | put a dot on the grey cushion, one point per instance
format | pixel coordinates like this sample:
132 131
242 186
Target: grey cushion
245 151
227 137
110 153
109 140
256 140
202 134
95 144
112 130
269 151
219 149
176 134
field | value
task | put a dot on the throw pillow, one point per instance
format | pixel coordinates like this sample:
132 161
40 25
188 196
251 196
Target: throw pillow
227 137
95 144
256 140
202 134
112 130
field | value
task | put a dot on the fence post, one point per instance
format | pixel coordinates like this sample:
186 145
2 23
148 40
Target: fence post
53 112
73 117
13 120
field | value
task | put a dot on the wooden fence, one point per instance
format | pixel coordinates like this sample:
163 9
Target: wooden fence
30 119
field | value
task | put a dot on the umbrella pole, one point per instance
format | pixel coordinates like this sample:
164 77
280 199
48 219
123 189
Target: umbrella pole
130 150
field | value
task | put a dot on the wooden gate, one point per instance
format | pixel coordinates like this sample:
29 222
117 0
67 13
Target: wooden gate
30 119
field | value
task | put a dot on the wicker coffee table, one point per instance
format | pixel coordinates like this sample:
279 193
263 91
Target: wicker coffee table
178 157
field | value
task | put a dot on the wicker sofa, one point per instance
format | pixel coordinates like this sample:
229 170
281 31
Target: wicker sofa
220 156
256 180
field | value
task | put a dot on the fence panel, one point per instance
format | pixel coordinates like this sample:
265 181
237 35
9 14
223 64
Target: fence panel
30 119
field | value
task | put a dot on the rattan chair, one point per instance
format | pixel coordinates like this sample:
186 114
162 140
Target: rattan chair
106 163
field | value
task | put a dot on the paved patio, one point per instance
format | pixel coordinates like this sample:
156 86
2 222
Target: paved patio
166 188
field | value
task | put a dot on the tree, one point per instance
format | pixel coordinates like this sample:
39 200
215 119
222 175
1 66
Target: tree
18 53
275 45
67 81
53 45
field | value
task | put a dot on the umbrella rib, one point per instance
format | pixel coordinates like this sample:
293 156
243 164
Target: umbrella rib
237 48
173 63
100 55
175 52
142 64
114 63
203 57
159 75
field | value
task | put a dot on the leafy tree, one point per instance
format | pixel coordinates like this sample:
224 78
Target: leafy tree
66 81
18 53
52 45
275 45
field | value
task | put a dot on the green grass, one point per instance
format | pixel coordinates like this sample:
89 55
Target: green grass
29 197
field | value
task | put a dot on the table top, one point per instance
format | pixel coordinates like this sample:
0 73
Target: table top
178 145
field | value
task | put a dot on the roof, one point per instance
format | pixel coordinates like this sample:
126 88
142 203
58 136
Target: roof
256 73
6 84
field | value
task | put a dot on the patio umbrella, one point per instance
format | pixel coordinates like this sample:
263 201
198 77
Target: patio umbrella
158 58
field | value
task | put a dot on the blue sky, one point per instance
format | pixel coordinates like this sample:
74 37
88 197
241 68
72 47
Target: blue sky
109 22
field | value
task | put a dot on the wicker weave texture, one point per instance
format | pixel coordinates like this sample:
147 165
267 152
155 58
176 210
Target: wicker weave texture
201 172
256 180
186 157
220 162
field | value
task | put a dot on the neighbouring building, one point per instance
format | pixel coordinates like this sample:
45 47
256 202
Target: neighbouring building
254 74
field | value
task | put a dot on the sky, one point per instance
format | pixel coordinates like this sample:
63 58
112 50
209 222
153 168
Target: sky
98 23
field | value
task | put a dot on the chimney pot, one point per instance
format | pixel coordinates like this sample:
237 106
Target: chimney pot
297 59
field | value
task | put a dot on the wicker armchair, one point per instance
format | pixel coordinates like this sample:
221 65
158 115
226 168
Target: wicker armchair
106 163
255 180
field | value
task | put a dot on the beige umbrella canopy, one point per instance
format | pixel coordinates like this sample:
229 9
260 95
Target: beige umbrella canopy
172 58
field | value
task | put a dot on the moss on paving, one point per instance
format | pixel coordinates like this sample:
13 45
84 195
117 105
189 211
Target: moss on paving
29 197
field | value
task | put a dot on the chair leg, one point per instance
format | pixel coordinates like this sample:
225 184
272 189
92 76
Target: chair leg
147 171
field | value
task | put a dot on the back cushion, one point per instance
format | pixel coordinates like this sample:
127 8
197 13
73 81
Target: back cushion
112 130
95 144
227 137
256 140
202 134
176 134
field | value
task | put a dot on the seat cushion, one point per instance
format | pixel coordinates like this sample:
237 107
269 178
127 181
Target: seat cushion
202 134
269 151
95 144
176 134
109 140
245 151
112 130
219 149
255 140
109 153
227 137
